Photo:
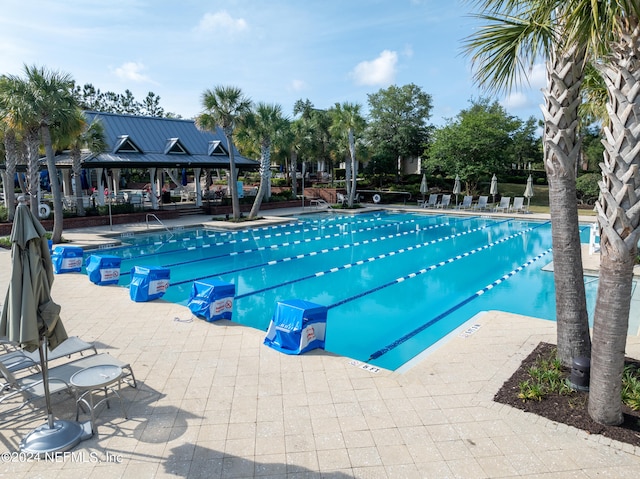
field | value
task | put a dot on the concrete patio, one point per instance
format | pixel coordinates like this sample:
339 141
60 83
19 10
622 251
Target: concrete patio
213 402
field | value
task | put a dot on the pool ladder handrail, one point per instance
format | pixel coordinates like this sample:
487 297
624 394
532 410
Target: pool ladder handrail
161 223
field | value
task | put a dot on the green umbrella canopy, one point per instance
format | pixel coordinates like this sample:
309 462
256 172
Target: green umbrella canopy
28 313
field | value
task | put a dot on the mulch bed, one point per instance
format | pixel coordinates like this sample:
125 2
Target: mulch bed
570 409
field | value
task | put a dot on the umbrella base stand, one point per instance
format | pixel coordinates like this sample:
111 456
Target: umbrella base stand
64 436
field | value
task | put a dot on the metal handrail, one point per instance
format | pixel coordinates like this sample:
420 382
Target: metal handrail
161 224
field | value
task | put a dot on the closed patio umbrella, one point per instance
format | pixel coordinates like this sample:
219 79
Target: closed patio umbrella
423 186
528 191
493 191
456 188
31 319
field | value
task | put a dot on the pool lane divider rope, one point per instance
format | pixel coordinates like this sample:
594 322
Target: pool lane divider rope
311 253
268 236
433 266
297 242
459 305
381 256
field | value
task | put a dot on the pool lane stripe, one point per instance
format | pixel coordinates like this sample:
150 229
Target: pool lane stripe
443 315
311 253
375 258
304 229
306 240
433 266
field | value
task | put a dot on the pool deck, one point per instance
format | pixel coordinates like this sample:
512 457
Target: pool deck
214 402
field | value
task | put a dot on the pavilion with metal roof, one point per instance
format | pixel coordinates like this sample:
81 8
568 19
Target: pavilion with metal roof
156 143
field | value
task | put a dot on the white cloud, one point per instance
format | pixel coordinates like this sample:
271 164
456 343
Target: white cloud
298 85
515 100
408 51
381 71
221 22
132 71
538 76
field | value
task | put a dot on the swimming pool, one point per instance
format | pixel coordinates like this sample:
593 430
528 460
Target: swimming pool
394 282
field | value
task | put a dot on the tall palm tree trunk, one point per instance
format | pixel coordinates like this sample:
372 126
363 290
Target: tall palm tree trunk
354 167
619 219
77 174
58 217
11 155
561 148
32 143
233 182
265 163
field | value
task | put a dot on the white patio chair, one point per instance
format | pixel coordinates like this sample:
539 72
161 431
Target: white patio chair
481 204
504 204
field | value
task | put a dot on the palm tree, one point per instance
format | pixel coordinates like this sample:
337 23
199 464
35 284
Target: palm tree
50 94
262 125
613 31
21 133
346 122
225 106
91 137
519 32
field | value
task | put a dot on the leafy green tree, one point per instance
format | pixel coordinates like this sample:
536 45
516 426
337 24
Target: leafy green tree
91 98
398 126
226 106
478 142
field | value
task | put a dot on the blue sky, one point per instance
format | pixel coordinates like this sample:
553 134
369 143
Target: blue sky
276 51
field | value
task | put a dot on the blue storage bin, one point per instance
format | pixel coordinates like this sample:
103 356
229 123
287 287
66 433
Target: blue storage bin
148 283
103 269
297 327
67 259
212 299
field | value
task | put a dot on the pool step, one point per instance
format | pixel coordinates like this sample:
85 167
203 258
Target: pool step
190 211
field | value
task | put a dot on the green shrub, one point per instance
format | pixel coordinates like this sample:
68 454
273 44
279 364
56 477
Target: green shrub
587 188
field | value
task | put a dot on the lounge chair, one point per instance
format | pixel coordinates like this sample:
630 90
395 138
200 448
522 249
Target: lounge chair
431 203
466 203
31 388
518 205
504 205
481 204
18 360
444 203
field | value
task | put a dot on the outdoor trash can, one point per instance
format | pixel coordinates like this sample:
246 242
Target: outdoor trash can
148 283
212 299
103 269
297 327
67 259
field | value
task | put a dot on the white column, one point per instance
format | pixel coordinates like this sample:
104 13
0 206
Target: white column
99 175
153 193
196 174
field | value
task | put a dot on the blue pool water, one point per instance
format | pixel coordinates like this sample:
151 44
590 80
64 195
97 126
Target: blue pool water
394 283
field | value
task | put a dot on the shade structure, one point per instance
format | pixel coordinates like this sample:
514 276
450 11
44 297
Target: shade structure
31 319
493 191
528 191
423 185
456 188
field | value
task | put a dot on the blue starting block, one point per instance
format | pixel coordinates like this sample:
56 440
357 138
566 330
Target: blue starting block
212 299
67 259
148 283
297 327
103 269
